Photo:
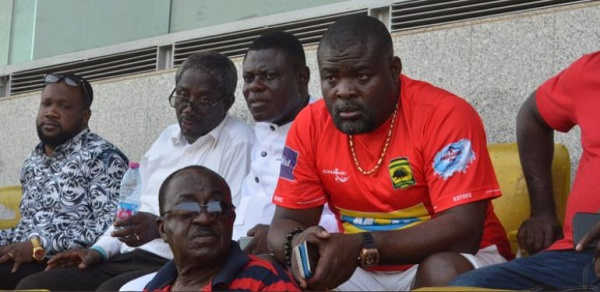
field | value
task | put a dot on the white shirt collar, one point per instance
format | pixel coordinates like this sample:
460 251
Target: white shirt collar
264 129
179 140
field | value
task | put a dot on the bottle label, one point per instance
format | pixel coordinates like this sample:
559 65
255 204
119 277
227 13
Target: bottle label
126 210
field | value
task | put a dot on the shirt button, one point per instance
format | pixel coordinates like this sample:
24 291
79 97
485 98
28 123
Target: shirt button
272 127
263 154
256 179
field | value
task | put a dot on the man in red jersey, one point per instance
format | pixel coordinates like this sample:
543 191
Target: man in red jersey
196 220
403 165
567 99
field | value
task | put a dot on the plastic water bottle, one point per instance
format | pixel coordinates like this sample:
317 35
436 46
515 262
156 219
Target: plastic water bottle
130 192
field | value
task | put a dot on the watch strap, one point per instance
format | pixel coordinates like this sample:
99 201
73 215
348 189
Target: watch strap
35 242
369 255
368 240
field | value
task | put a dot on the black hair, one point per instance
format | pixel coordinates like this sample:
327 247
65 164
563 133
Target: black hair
214 64
357 29
285 42
200 170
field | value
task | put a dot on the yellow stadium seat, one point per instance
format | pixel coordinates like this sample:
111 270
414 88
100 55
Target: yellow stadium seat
513 207
10 198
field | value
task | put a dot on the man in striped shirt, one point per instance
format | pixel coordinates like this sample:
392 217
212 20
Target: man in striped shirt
197 222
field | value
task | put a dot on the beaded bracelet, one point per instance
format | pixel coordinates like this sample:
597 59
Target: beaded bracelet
287 247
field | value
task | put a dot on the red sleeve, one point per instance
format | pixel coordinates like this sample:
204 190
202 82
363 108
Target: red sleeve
556 98
299 186
458 168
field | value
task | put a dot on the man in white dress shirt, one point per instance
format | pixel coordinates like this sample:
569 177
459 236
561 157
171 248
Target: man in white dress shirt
204 135
276 89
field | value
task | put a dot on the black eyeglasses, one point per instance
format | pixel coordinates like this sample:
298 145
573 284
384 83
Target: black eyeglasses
69 80
180 102
214 209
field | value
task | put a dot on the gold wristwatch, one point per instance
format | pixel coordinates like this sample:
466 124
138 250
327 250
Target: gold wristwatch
38 251
369 255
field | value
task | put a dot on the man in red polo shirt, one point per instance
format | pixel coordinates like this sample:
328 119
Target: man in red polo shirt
565 100
403 165
196 220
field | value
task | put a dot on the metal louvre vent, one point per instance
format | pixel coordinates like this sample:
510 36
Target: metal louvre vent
402 15
422 13
131 62
233 44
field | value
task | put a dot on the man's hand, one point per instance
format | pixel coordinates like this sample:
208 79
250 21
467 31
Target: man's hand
337 252
83 258
18 252
538 232
588 238
137 229
258 244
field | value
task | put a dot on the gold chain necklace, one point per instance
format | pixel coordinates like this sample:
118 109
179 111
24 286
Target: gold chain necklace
383 151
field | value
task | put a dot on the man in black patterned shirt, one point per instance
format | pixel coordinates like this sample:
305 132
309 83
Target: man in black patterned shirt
70 183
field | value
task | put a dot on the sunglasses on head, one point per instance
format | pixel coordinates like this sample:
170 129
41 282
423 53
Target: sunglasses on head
69 80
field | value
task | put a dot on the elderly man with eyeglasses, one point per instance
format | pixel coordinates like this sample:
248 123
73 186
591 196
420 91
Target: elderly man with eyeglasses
204 135
70 183
197 222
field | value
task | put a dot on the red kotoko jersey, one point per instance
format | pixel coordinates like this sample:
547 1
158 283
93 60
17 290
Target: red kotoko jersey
437 159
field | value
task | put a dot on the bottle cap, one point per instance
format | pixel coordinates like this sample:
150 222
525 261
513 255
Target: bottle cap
134 165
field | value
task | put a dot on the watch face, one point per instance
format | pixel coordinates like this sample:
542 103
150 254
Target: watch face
38 254
370 260
369 257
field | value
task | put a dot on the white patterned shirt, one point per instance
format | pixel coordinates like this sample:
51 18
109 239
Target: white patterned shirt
69 198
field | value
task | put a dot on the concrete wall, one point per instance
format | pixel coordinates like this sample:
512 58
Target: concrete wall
494 63
497 63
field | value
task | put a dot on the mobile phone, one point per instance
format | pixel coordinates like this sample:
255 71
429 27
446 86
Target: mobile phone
582 222
306 256
243 241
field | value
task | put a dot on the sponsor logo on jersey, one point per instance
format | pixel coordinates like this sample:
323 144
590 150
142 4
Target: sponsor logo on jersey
360 221
289 159
340 175
401 173
454 157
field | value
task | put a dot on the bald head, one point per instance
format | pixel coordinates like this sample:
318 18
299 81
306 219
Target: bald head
357 29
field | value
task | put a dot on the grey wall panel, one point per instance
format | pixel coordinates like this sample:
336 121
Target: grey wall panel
17 132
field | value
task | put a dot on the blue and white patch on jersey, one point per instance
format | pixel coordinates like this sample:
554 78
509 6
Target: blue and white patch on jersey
454 157
289 159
